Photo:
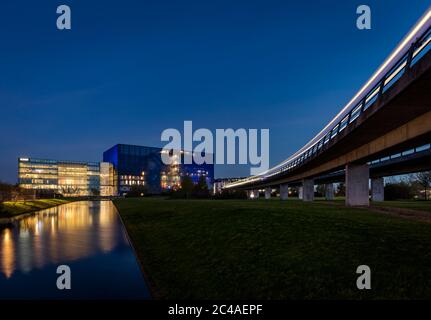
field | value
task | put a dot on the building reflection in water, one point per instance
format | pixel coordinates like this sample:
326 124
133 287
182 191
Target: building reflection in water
63 234
7 253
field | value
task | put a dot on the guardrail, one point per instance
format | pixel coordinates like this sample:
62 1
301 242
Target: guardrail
411 151
417 50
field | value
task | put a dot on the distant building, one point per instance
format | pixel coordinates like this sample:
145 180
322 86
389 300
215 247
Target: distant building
220 183
143 166
69 178
108 186
123 167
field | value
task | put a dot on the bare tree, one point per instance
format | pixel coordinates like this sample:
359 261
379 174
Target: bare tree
69 190
424 179
341 190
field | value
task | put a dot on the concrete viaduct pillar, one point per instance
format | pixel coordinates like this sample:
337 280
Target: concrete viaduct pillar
300 192
284 191
308 190
357 185
329 191
377 189
268 193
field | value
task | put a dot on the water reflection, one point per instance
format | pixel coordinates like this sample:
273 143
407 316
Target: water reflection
66 234
7 253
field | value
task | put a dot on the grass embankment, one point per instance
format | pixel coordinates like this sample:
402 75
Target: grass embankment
419 205
203 249
14 208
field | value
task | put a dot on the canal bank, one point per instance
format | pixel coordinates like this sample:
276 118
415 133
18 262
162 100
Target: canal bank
12 210
151 287
87 236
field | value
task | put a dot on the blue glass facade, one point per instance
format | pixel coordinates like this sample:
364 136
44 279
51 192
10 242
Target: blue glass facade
143 166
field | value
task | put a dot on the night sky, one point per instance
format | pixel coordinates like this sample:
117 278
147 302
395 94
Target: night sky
130 69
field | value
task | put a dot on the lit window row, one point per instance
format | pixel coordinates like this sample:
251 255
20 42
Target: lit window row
132 182
128 177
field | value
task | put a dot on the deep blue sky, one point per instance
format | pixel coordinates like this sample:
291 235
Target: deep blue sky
129 69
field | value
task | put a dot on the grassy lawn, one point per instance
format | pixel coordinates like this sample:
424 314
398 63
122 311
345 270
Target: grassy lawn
419 205
406 204
213 249
19 207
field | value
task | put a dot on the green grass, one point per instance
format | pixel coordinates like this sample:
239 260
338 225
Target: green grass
406 204
239 249
419 205
14 208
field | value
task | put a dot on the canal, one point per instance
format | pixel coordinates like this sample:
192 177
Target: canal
86 236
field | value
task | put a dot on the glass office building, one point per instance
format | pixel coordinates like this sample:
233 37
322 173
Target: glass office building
123 167
108 186
143 166
68 178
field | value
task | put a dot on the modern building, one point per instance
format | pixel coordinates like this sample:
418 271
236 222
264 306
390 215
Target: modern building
108 186
69 178
143 166
220 183
123 167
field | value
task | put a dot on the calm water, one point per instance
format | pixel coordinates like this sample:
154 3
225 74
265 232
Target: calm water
88 236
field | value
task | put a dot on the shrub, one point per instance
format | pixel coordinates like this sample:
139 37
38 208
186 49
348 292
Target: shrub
341 190
397 191
200 190
137 191
189 190
230 194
